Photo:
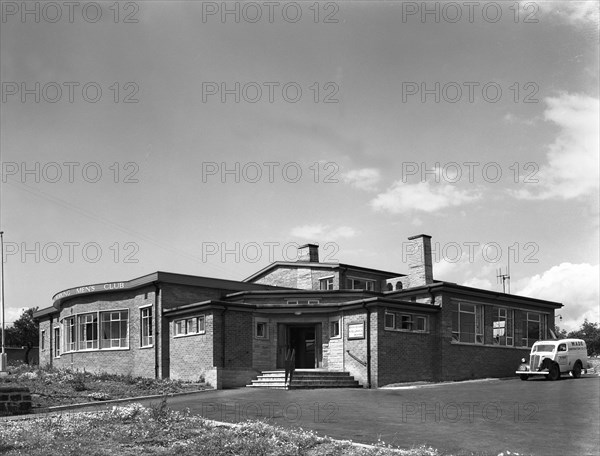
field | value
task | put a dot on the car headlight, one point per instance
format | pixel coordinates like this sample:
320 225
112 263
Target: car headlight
523 360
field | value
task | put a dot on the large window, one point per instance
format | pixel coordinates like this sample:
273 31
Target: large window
502 326
146 327
70 332
361 284
88 331
534 328
405 322
114 329
467 323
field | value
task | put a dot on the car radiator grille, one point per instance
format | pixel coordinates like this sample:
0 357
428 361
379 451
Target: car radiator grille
534 361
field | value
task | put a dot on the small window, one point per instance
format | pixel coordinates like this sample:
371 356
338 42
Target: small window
326 283
43 340
390 287
56 342
261 330
406 322
201 325
389 321
334 328
146 326
421 324
562 348
398 285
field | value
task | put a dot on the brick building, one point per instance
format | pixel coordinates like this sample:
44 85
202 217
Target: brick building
381 327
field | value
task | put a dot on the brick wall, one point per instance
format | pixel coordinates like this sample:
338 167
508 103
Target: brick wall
134 360
14 400
303 278
357 347
192 356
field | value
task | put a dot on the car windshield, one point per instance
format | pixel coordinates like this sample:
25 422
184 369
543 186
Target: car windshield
544 348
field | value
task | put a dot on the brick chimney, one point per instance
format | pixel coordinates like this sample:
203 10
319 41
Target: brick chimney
308 253
420 265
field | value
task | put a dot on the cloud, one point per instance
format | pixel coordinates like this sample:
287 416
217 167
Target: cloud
401 197
571 170
573 12
574 285
363 179
323 232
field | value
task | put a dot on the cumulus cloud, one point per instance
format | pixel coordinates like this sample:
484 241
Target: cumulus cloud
402 197
323 232
363 179
571 170
574 285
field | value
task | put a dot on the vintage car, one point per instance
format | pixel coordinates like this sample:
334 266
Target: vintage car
553 358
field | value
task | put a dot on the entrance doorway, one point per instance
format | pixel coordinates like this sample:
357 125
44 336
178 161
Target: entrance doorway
305 340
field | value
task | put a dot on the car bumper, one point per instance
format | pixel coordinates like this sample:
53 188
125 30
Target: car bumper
532 372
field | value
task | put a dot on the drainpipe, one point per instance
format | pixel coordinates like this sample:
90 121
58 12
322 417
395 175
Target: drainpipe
157 321
223 337
368 325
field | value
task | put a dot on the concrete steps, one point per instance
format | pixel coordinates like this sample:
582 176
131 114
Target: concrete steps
305 379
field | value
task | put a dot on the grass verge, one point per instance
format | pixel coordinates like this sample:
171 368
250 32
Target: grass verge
133 430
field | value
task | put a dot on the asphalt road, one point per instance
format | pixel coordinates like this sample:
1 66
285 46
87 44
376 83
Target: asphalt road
536 417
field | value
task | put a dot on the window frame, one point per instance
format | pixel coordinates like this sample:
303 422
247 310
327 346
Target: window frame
542 320
189 326
43 339
507 339
102 323
82 331
146 327
70 334
333 323
261 322
398 318
350 282
57 346
328 281
478 323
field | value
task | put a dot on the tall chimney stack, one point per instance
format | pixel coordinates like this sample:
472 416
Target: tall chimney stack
420 265
308 253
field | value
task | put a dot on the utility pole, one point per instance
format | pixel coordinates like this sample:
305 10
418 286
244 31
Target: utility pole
3 357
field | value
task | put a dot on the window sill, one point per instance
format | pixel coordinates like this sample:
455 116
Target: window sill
469 344
408 331
178 336
146 346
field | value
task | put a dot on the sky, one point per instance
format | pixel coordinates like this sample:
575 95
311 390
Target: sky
212 138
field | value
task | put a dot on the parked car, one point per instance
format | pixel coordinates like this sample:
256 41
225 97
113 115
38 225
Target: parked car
553 358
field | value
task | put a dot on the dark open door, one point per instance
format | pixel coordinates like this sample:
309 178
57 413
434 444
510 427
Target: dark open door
282 345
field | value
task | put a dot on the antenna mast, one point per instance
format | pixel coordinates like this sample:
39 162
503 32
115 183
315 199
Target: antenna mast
504 277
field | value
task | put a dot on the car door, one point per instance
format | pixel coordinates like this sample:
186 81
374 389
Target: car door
562 357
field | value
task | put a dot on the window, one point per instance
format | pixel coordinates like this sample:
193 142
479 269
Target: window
189 326
398 285
70 332
390 287
334 328
261 329
326 283
114 329
56 342
88 331
43 339
467 323
146 326
405 322
534 328
389 320
361 284
502 326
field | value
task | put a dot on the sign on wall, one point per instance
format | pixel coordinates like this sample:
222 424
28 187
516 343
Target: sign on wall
356 330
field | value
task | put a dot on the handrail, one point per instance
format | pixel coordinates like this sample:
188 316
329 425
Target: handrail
364 363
